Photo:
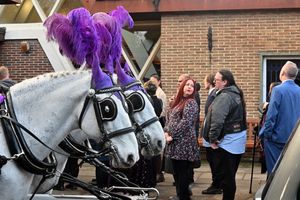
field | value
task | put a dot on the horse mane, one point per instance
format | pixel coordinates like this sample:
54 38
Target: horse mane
44 79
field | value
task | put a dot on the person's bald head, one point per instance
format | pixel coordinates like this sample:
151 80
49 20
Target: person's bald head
4 73
288 71
181 78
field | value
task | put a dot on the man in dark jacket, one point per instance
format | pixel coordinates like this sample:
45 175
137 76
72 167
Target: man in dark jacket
213 160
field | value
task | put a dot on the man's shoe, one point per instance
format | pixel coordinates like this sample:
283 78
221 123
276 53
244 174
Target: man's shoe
160 178
173 198
190 189
212 190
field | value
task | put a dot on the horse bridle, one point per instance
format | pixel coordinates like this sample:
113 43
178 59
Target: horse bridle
104 112
132 99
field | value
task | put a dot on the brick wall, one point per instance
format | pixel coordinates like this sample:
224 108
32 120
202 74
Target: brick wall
239 38
24 65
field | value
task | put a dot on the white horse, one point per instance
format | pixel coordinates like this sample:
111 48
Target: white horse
51 106
149 131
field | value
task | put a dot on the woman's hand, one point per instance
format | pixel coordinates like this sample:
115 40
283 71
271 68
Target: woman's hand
168 137
214 145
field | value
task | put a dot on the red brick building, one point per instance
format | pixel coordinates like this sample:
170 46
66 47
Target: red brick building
251 38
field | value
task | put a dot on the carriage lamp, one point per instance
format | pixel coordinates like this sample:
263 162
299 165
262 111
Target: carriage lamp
156 4
210 42
210 39
25 47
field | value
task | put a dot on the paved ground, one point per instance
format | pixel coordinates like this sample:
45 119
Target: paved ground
202 181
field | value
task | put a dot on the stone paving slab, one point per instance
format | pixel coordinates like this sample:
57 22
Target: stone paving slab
202 179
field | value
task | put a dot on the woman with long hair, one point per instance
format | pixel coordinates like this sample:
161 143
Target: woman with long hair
182 145
225 129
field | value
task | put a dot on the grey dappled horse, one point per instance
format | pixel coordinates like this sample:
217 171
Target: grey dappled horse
50 106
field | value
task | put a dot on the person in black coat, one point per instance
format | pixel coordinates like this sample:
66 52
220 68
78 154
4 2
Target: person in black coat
156 102
213 160
197 98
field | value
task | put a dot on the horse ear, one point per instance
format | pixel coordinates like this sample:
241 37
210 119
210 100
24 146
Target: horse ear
123 78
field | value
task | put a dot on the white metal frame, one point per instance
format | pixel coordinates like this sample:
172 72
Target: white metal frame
59 62
37 31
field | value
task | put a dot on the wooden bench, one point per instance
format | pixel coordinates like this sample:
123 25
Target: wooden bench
251 124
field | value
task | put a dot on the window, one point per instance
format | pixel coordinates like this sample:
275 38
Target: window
271 70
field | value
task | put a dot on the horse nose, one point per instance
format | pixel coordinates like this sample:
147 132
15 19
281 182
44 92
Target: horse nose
130 158
159 145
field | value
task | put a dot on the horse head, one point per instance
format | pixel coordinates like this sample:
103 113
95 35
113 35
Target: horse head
111 112
148 129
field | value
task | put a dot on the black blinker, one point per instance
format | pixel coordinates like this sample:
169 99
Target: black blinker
108 109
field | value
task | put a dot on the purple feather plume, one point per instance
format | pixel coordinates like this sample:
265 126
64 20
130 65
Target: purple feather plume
100 80
113 22
109 65
84 33
116 36
127 68
105 40
2 98
77 38
59 29
123 78
122 17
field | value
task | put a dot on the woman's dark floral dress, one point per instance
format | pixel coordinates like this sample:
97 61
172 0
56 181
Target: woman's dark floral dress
181 126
